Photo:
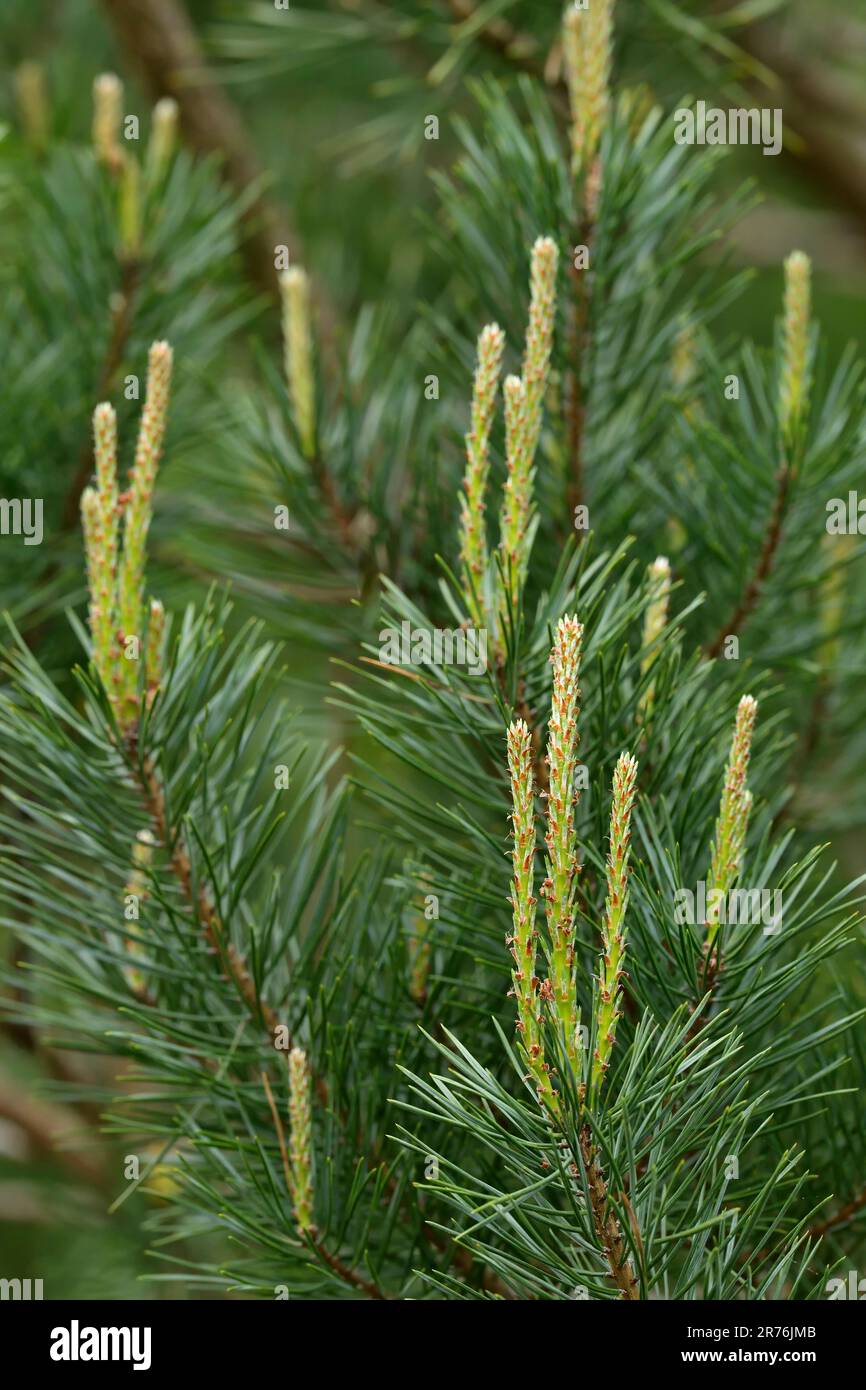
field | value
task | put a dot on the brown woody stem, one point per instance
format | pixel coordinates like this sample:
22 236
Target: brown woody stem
607 1226
764 567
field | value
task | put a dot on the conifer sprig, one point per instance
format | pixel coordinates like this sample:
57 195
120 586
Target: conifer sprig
163 138
539 335
655 620
139 510
99 511
105 455
613 928
733 818
117 585
794 384
107 115
561 838
154 646
587 42
517 498
523 938
473 538
136 890
298 355
100 582
524 398
300 1140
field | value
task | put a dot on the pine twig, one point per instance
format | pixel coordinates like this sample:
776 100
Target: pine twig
345 1272
348 1275
200 902
763 569
607 1226
203 908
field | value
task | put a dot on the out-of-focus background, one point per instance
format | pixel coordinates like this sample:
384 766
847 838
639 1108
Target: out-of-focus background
324 103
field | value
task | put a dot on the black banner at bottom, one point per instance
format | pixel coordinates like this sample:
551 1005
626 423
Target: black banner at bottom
228 1338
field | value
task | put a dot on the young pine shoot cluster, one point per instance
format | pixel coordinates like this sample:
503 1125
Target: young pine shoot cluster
493 586
115 154
123 629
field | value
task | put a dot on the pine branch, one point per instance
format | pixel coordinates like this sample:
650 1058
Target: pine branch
557 1162
236 969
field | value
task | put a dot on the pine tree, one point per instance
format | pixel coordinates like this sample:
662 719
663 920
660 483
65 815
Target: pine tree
470 1011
